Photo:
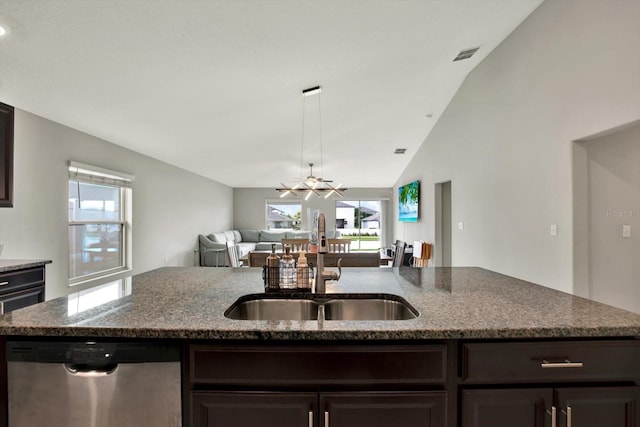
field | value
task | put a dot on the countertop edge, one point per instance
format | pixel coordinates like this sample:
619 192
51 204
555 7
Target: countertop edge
310 336
8 265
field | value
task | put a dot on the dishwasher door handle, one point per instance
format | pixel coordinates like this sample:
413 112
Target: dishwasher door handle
88 371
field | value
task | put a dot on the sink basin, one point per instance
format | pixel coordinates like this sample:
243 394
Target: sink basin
334 307
273 309
368 309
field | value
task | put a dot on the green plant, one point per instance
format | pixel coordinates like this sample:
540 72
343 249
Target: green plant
409 193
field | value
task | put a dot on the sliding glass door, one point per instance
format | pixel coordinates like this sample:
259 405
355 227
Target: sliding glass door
360 221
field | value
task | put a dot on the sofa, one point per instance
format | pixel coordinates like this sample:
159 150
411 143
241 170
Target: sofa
213 247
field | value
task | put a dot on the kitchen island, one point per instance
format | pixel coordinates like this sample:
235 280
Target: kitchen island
454 303
481 340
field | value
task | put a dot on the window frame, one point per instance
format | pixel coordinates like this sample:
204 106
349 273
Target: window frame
88 174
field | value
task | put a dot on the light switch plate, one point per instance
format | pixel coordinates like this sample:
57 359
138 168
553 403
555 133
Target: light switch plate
626 231
553 230
461 225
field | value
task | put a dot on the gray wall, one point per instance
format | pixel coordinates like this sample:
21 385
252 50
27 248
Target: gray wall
505 140
170 206
249 207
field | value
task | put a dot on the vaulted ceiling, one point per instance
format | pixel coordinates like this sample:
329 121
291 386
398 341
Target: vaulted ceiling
214 87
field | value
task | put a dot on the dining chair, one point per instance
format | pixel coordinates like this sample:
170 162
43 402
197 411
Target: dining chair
398 255
257 259
339 245
233 251
297 245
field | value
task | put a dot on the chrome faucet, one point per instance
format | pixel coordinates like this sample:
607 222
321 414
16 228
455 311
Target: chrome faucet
323 275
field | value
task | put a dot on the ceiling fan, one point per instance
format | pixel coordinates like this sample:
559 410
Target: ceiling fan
312 185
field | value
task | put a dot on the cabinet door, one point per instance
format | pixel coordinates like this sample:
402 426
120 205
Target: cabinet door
253 409
599 407
383 409
507 408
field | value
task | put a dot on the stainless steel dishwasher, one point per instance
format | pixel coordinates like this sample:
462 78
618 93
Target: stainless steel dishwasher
93 384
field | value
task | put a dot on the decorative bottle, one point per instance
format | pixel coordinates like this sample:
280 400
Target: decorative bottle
302 273
287 270
273 269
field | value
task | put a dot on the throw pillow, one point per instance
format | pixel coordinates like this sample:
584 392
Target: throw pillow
219 237
250 235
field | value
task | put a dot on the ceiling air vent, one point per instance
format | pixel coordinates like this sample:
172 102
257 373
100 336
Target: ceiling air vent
466 54
400 151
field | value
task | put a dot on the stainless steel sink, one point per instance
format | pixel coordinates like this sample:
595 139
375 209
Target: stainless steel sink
334 307
368 309
273 309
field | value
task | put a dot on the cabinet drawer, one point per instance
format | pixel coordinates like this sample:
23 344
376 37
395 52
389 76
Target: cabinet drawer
21 279
24 298
551 361
309 365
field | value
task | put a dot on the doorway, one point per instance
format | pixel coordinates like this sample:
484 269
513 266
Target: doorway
443 243
606 214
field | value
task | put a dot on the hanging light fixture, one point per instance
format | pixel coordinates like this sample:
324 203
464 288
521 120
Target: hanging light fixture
312 184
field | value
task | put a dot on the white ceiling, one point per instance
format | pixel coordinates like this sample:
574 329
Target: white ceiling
214 87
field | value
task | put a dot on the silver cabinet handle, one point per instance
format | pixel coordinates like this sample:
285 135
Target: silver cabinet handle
568 414
564 364
310 418
4 283
326 418
552 412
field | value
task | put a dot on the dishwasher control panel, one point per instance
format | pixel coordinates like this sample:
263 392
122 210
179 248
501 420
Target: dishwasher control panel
90 352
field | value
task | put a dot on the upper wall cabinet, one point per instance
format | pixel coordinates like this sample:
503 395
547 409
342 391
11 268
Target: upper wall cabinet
6 156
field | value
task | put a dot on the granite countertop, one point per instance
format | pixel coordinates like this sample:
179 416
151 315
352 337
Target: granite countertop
454 303
19 264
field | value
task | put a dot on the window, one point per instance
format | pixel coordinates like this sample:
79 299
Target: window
99 222
283 216
360 221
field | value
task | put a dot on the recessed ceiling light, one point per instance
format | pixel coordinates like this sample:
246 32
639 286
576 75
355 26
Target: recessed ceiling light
400 151
466 54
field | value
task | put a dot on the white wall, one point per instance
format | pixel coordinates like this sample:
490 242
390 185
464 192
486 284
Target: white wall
505 139
170 206
249 206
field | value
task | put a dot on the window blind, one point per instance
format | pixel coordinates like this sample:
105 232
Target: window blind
96 175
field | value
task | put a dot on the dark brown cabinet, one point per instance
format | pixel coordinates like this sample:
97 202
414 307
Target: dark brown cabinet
21 288
383 409
15 300
583 407
506 408
349 409
325 385
599 407
254 409
589 383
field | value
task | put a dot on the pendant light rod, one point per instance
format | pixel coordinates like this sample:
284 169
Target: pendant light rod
312 184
